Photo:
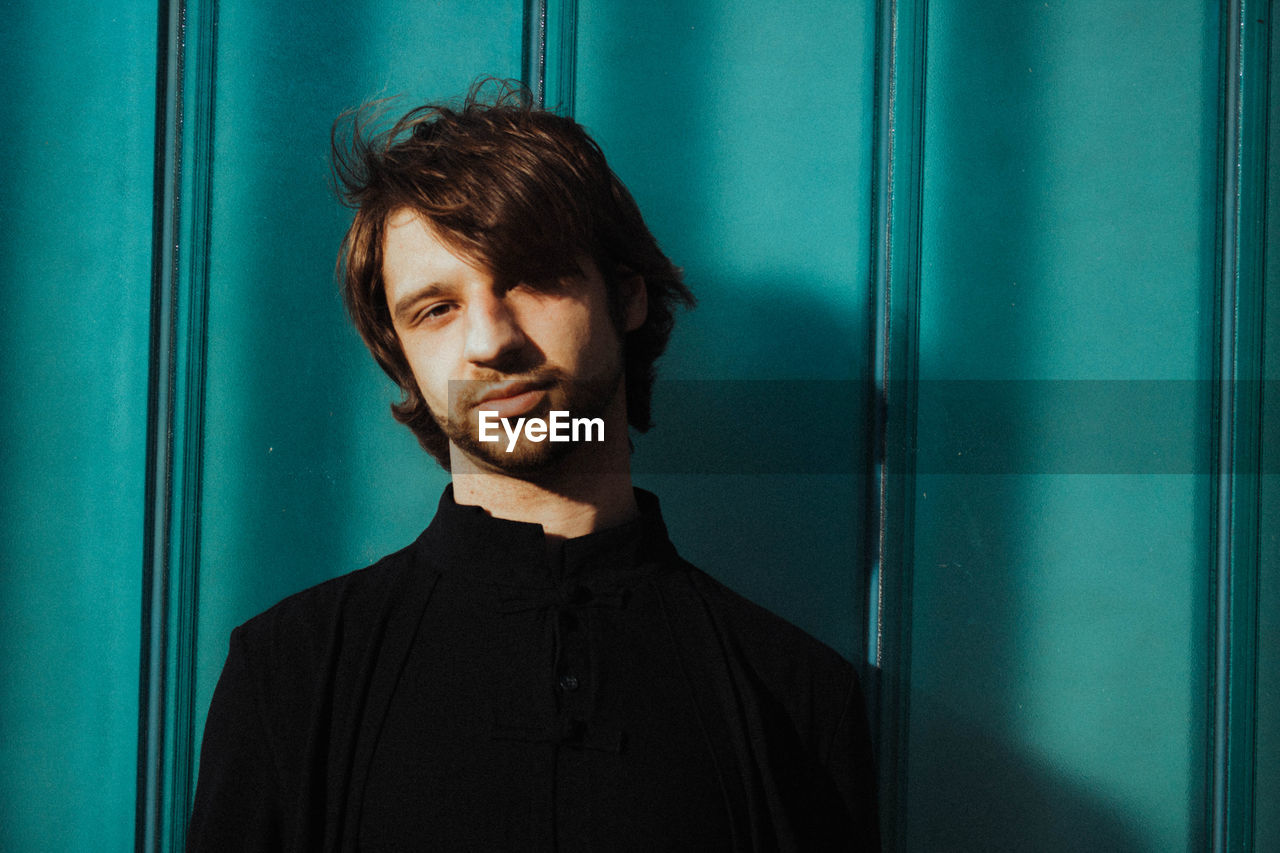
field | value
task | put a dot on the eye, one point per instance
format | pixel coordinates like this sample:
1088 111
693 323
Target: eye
434 312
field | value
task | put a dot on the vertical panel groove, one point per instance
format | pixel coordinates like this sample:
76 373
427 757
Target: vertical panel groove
1237 437
566 56
549 53
895 290
176 420
534 50
155 568
197 190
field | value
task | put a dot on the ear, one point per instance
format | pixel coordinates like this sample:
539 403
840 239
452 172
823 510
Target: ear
635 301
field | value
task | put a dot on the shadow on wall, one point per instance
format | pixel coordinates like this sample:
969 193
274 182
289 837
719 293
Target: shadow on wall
1009 799
761 479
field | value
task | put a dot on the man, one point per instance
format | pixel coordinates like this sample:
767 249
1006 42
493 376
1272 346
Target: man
539 670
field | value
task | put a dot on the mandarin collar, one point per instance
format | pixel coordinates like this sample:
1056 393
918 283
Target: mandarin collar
467 540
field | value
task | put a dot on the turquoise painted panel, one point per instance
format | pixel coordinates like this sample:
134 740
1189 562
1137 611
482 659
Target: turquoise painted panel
306 474
1266 804
1061 602
744 130
75 257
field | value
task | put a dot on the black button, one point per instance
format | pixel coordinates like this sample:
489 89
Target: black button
568 682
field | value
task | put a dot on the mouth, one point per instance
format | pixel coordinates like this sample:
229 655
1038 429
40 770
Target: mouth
512 398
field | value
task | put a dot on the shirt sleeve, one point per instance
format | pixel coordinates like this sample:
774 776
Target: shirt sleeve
237 802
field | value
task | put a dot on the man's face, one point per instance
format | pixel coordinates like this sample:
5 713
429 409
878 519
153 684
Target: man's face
475 343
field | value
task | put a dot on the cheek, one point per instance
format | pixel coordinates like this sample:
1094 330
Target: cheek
430 384
598 329
590 348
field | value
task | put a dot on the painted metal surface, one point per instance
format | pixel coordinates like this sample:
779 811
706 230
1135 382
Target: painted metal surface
549 53
75 261
175 420
901 51
1238 436
1062 599
1266 805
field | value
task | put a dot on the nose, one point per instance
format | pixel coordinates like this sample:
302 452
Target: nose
493 332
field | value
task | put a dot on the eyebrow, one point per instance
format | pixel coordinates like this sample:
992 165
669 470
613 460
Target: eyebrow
406 302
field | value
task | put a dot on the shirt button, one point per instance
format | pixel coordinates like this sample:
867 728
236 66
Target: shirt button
568 682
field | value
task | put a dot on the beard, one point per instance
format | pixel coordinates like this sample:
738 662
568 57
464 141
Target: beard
581 398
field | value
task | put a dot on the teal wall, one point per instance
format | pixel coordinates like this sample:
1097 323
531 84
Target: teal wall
75 262
1042 601
1058 624
1266 804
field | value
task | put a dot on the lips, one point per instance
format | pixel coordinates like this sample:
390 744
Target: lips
512 398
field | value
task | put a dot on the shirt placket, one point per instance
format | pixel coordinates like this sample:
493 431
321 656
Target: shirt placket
571 676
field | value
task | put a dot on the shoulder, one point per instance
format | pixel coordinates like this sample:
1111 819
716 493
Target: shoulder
308 623
767 638
292 660
793 680
778 658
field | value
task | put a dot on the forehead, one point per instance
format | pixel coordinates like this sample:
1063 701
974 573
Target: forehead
414 253
417 258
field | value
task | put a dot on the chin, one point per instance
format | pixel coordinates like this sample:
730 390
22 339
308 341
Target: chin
527 459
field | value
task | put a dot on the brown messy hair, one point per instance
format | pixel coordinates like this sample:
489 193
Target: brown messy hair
524 192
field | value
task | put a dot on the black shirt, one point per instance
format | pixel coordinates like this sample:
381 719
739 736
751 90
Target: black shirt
483 690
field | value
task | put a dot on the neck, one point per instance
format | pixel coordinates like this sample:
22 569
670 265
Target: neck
587 490
566 510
